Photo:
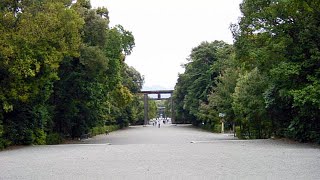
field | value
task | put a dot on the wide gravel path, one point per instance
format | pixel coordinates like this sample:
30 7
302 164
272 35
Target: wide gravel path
169 152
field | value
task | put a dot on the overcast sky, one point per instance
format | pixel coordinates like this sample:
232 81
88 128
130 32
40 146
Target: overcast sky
165 31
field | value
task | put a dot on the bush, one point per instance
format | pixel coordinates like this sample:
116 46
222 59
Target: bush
53 138
217 128
239 133
28 137
3 143
102 129
39 137
97 130
112 128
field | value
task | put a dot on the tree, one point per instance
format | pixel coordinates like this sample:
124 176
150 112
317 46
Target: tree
193 87
131 79
62 71
249 105
153 109
33 43
91 91
180 90
281 39
34 39
199 73
220 99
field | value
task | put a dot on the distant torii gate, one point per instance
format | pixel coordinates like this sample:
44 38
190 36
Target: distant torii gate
158 92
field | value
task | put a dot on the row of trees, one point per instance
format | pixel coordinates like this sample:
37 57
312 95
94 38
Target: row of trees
62 71
268 82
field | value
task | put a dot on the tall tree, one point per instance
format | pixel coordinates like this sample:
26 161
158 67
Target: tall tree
34 38
97 77
197 81
281 38
249 105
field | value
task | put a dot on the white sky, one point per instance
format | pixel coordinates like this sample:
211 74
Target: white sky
165 31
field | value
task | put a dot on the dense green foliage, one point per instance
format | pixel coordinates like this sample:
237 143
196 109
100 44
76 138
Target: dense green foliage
62 72
269 83
193 87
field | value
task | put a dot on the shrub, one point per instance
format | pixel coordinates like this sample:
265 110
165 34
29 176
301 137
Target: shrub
2 144
39 137
112 128
28 137
239 133
53 138
102 129
217 128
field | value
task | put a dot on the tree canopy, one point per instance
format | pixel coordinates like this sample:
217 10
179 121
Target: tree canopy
62 71
267 82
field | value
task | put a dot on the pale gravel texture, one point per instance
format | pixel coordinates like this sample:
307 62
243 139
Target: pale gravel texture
163 153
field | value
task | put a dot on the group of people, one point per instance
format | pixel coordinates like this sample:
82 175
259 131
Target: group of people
157 123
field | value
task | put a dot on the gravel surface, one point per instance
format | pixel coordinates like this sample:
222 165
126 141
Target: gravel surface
169 152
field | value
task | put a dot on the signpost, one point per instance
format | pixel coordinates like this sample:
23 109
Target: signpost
222 115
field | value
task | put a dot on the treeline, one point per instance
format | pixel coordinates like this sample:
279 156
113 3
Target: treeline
62 72
267 83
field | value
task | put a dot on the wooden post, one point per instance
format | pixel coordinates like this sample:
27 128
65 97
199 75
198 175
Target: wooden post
222 126
222 115
145 109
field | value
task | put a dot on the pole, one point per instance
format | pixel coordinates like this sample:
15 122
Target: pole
222 126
